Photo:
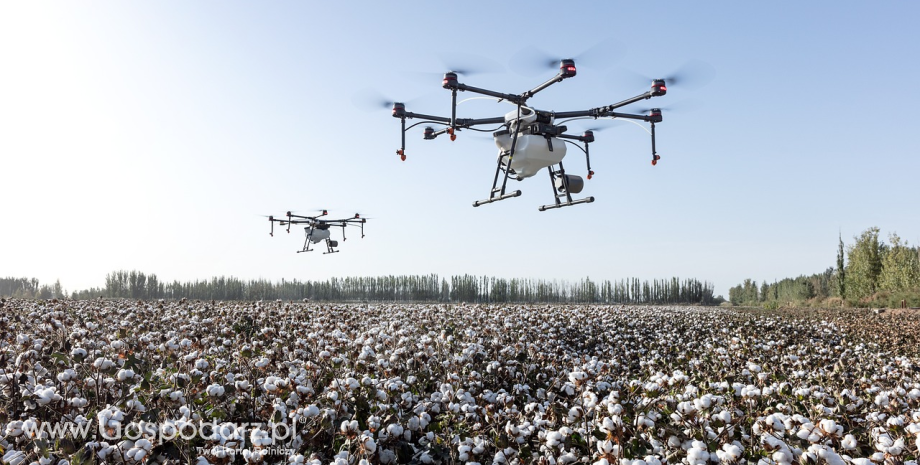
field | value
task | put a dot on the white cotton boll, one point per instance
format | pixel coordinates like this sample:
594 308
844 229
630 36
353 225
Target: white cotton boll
782 457
349 426
370 446
831 428
394 429
262 362
554 438
124 374
848 442
882 400
697 456
703 402
606 447
66 375
14 457
897 448
260 438
567 457
729 453
242 385
674 442
215 390
201 364
14 429
47 396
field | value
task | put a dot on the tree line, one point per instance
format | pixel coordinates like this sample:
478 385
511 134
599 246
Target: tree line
408 288
29 288
868 272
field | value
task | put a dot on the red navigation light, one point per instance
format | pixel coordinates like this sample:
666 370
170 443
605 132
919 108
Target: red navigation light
325 213
357 215
449 81
567 68
399 110
659 88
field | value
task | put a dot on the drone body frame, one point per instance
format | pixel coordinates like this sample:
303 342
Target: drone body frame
317 229
531 139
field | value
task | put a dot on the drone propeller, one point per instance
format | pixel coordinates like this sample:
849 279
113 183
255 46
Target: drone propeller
371 100
532 60
469 64
691 75
683 106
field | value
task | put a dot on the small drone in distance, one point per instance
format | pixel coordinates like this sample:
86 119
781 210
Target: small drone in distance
317 229
529 139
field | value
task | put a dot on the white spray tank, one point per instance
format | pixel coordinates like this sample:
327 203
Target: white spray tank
531 152
319 235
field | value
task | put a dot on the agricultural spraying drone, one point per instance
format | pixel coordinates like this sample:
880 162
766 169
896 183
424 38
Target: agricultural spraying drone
317 229
530 139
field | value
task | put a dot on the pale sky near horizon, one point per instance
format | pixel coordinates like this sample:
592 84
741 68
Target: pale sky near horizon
153 135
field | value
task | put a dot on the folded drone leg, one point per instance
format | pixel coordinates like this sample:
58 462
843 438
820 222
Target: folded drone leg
498 193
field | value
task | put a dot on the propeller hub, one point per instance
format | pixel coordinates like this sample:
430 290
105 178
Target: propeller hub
659 88
567 68
450 80
399 110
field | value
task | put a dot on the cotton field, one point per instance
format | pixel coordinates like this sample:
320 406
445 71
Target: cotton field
128 382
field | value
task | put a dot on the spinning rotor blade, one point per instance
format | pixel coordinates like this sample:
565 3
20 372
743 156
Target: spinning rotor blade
612 124
371 100
469 64
532 60
691 75
683 106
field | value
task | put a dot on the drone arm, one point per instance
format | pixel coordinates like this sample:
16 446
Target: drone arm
469 122
439 119
530 93
607 111
509 97
647 118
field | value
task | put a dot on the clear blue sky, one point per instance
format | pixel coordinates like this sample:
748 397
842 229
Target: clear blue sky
152 135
